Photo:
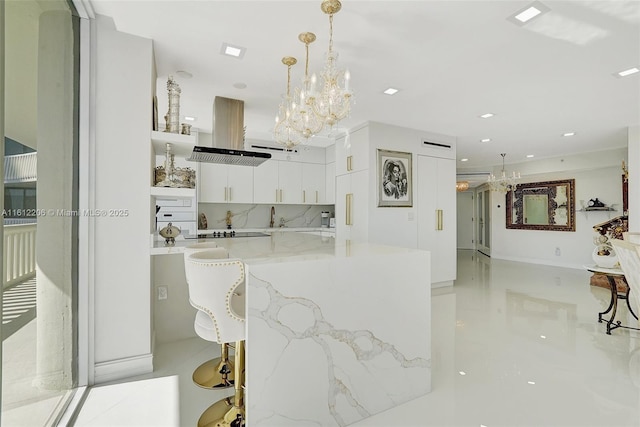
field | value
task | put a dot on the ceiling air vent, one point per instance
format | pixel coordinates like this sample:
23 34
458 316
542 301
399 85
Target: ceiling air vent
266 147
436 145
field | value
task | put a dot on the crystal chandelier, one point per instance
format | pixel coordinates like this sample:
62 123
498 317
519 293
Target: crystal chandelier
283 132
505 182
302 118
332 102
462 185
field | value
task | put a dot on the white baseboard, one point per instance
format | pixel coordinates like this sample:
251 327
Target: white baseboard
441 284
123 368
537 261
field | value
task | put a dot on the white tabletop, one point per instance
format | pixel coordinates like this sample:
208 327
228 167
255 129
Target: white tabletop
596 269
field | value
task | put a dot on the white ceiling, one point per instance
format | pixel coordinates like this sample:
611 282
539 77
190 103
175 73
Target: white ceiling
451 60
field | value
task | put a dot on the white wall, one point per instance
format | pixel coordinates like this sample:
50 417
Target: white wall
123 89
596 175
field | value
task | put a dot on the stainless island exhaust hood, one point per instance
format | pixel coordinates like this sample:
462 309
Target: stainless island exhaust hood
228 137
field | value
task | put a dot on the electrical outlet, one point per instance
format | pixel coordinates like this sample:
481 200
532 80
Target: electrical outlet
557 251
162 292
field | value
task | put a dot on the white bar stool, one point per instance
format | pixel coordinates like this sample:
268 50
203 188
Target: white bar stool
212 285
217 372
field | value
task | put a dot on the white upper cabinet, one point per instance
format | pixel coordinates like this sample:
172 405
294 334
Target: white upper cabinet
265 182
290 182
279 181
313 183
225 184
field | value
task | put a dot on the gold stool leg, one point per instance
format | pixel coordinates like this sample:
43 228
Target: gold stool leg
216 373
229 412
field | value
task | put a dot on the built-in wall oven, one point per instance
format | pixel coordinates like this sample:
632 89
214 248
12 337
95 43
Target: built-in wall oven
181 213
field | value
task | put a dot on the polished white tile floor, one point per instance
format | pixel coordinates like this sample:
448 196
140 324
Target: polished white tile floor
514 344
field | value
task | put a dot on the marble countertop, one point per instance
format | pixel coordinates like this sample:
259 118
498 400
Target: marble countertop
283 246
158 246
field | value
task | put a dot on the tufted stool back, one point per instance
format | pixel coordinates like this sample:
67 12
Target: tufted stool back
212 282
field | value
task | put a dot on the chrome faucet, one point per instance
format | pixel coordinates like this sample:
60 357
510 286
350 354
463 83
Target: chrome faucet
273 217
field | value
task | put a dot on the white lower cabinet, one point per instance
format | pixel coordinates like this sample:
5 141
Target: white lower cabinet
436 202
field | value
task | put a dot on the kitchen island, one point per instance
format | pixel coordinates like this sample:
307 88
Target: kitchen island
336 331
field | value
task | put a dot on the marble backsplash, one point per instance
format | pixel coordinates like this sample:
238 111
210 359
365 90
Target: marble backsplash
258 215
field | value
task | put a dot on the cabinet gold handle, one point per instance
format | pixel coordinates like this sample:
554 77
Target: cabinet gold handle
280 195
226 193
277 195
349 163
440 224
349 200
230 197
304 196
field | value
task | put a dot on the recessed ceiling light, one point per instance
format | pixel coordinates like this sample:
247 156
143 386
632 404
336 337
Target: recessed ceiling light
569 134
543 337
485 140
486 115
530 156
391 91
464 160
534 10
462 373
531 382
230 50
189 118
240 85
628 72
528 14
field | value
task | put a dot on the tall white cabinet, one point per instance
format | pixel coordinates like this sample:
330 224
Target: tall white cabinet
352 191
429 224
436 201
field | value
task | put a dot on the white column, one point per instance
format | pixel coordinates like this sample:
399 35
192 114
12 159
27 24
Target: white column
54 239
1 147
634 177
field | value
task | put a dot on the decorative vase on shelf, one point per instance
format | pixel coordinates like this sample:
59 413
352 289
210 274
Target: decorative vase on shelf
605 261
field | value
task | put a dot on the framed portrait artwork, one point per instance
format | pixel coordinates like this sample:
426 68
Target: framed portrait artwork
394 179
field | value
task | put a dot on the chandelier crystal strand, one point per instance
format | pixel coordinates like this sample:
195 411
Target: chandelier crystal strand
333 102
303 119
283 132
505 182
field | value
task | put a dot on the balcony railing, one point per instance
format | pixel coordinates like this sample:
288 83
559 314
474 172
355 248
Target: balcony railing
19 260
20 168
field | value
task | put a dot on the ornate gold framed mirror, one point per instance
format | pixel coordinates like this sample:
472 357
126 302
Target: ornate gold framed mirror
548 205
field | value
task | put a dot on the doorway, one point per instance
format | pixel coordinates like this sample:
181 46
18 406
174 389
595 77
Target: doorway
465 220
483 211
